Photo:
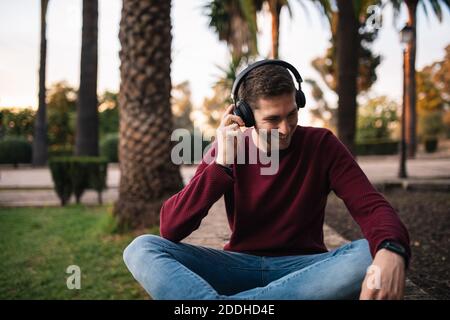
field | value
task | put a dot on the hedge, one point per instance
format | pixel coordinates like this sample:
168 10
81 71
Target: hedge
73 175
431 144
377 147
15 150
109 147
60 151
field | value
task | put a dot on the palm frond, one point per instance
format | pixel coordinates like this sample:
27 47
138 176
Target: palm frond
435 4
324 7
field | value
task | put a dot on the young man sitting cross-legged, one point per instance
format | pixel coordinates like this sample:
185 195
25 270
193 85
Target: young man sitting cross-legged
276 249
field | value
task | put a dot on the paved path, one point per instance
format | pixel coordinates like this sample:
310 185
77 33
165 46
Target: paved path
376 168
27 186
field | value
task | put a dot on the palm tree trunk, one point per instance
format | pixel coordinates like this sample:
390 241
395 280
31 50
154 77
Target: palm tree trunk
86 142
411 113
148 176
242 41
347 60
237 33
275 9
40 125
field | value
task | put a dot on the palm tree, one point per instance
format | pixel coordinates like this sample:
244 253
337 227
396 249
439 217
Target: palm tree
148 176
347 61
86 141
275 7
348 53
411 114
40 126
234 21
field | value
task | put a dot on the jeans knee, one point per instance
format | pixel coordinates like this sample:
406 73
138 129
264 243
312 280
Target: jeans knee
362 258
363 249
139 245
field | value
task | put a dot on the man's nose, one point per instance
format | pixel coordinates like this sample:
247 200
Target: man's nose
283 128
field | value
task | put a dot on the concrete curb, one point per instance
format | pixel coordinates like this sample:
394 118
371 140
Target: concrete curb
439 185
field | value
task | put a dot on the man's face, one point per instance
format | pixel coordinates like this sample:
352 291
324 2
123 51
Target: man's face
279 113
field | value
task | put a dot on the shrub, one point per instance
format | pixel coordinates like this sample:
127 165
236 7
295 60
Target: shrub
60 169
97 170
60 151
15 150
79 173
17 122
431 144
76 174
109 147
377 147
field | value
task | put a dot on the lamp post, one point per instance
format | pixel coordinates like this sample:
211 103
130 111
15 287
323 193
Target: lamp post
405 37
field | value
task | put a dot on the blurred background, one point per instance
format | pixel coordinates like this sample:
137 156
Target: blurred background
91 91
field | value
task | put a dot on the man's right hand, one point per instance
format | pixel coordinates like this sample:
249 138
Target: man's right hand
225 134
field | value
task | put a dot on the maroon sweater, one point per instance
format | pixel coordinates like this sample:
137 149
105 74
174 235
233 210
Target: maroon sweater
283 214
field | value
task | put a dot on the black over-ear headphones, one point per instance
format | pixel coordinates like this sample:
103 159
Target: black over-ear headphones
242 109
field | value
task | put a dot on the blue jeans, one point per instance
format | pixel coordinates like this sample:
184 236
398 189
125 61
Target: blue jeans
169 270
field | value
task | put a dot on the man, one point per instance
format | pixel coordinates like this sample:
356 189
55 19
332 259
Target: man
276 249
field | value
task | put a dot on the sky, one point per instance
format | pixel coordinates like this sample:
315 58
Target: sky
196 50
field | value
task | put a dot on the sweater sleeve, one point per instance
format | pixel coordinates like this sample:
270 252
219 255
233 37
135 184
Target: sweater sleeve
373 213
183 212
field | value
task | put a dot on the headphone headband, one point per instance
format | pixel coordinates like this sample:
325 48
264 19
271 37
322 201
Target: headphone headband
243 73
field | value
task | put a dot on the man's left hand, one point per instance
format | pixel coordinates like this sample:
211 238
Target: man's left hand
387 281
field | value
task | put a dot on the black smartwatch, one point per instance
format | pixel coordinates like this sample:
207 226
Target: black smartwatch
395 247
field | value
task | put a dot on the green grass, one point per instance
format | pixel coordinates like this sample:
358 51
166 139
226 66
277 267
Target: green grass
38 244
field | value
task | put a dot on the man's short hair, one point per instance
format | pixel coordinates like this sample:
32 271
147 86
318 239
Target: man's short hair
265 82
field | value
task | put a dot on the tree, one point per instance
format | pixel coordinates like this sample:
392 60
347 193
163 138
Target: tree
61 105
275 7
411 117
322 110
109 113
17 122
433 96
40 128
148 176
234 21
348 58
377 119
213 107
182 106
86 142
327 67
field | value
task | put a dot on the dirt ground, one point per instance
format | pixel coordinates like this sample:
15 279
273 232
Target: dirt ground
427 217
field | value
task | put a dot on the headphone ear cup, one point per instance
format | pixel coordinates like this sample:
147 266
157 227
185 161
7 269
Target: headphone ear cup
243 110
300 99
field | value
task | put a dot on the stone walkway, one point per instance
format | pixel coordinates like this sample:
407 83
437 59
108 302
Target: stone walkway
28 186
